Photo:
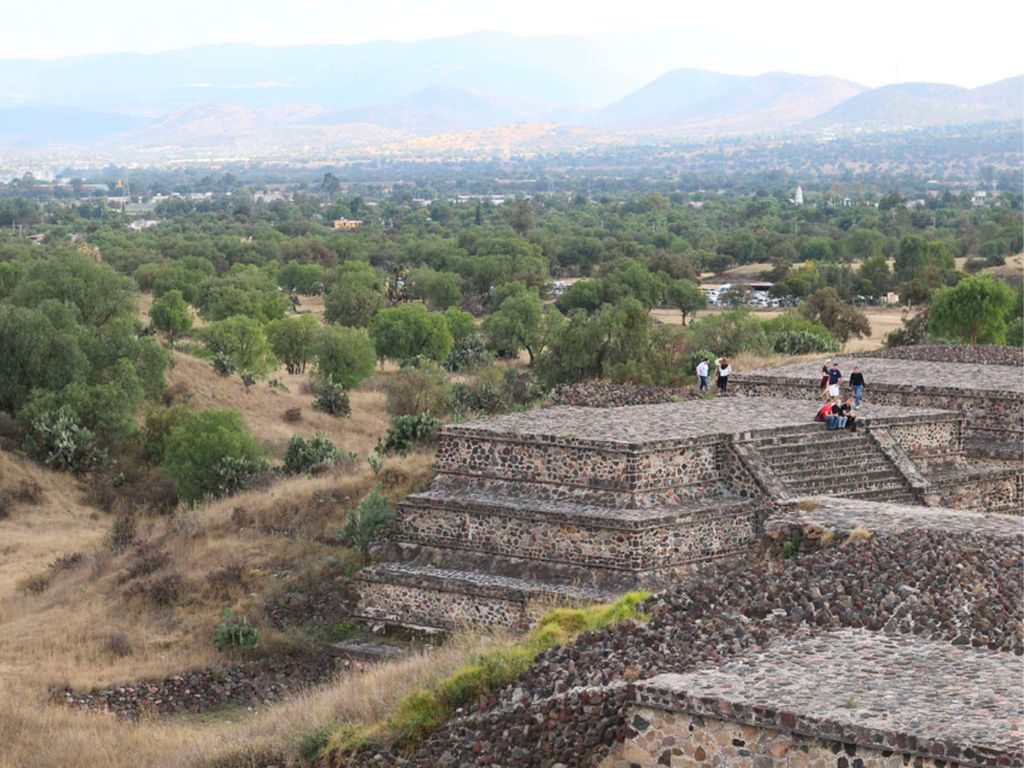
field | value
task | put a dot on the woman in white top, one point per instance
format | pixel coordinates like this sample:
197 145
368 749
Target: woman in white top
723 372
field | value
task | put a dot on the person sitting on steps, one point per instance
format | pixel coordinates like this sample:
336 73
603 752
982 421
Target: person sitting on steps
846 410
824 412
835 420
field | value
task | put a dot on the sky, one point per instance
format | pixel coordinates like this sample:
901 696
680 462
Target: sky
870 41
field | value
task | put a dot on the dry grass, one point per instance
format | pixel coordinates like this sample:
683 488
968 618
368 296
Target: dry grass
33 734
858 534
263 408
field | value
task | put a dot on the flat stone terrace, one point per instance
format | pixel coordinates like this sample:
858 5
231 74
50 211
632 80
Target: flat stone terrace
843 515
885 692
905 373
649 427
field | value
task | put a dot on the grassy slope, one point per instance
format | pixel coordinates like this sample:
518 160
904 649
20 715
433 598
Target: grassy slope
61 635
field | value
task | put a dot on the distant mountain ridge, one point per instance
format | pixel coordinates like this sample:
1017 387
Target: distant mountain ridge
374 94
928 104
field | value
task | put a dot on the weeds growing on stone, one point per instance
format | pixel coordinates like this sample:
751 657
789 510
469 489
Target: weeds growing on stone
422 711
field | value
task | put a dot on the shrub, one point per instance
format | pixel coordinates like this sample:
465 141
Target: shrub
468 354
157 426
803 342
211 453
345 355
122 531
166 590
118 645
418 390
58 440
407 432
310 456
235 634
223 364
330 397
367 521
292 415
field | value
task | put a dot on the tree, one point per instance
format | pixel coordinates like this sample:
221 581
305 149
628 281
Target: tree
634 280
293 340
440 290
824 307
242 341
587 295
875 271
352 304
344 356
97 293
975 310
170 314
515 325
461 325
408 331
307 279
213 453
818 249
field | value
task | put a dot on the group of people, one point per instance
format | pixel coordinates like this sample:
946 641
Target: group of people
836 413
722 373
830 378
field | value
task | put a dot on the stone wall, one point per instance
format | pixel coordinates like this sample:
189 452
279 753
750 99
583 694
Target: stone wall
932 439
660 473
585 537
996 489
657 738
981 354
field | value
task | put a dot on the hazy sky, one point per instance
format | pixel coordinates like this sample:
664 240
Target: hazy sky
870 41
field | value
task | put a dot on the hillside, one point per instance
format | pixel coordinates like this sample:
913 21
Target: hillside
926 104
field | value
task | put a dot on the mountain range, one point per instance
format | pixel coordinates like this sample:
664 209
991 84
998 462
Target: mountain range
323 98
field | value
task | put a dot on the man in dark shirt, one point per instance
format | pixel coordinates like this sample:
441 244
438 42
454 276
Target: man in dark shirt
834 375
857 382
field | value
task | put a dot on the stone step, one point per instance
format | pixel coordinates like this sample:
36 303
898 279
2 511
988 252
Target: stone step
846 485
893 493
829 463
824 444
448 600
358 650
811 434
618 538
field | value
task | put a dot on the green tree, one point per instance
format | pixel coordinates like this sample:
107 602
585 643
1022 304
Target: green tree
975 311
461 325
587 295
96 292
242 341
212 453
344 356
307 279
875 271
409 330
352 304
293 340
826 308
686 296
634 280
515 325
171 314
439 290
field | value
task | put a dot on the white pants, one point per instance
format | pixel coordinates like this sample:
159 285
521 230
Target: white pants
833 390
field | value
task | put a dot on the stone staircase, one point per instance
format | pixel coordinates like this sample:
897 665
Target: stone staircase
813 461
